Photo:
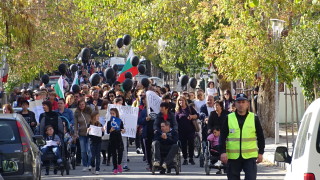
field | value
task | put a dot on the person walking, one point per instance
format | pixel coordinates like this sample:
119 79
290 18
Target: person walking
82 117
184 116
116 129
242 141
95 142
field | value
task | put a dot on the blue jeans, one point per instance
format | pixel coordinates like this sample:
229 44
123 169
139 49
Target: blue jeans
54 149
95 152
85 150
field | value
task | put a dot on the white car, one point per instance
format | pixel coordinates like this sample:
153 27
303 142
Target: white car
305 160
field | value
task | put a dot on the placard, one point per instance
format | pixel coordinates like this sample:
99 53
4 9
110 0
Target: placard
129 117
36 107
95 131
153 101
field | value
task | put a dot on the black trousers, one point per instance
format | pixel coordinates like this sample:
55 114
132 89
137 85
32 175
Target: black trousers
170 150
187 147
117 151
234 168
78 152
147 150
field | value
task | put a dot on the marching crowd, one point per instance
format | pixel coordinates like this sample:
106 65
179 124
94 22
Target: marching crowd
178 121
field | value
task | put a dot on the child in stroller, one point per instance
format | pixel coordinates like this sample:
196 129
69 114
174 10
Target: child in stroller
214 147
53 145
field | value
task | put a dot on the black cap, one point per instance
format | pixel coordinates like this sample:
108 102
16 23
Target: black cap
241 97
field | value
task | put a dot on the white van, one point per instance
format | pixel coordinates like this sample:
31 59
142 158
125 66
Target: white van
305 159
120 61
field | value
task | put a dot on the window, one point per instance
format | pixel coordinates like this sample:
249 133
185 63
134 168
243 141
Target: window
302 136
9 132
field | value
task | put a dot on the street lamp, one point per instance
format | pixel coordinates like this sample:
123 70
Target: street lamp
277 28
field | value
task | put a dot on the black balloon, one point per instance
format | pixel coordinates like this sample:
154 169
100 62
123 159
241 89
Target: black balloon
119 42
127 85
75 88
184 80
141 69
145 82
63 69
94 79
115 67
193 82
84 55
126 39
109 73
134 60
45 79
74 68
128 75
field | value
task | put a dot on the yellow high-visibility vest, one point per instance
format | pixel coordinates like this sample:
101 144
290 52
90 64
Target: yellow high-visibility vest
245 140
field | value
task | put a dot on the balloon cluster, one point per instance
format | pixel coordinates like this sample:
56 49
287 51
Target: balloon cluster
125 40
185 80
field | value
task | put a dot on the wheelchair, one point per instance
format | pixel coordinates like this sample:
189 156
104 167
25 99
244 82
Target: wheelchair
212 160
50 161
176 164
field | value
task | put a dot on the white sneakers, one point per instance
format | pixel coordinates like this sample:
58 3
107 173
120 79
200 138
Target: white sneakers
84 169
156 163
164 165
97 173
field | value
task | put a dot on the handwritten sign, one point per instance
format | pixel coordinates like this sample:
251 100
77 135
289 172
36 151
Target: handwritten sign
95 131
129 117
153 101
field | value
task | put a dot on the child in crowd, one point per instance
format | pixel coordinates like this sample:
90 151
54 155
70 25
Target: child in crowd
95 142
215 147
115 128
53 142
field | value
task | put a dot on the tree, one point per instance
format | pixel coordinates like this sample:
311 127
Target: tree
302 51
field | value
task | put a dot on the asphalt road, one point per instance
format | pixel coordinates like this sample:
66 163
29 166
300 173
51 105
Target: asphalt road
138 171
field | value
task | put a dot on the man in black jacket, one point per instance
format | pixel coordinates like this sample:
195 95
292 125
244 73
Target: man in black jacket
166 142
242 141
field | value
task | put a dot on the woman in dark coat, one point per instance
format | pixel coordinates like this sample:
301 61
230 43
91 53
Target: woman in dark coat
184 116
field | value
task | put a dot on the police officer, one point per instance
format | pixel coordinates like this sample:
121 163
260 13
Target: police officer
242 141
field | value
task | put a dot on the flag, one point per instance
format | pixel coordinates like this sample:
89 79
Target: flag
59 88
128 68
75 81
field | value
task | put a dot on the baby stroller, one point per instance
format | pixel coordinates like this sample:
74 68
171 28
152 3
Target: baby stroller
212 159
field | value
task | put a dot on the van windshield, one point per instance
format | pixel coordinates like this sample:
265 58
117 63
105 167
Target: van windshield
302 136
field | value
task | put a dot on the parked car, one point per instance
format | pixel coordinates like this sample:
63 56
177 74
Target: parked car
304 161
19 149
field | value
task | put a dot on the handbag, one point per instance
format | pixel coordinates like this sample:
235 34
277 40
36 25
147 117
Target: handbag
195 122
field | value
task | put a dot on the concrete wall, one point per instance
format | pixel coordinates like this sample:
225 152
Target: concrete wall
300 103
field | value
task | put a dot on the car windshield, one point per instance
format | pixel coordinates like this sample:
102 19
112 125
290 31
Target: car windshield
9 132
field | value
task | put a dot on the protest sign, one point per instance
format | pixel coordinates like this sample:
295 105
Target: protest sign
129 117
153 101
95 131
102 116
36 107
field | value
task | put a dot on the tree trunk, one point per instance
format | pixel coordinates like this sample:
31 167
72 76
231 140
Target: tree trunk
266 107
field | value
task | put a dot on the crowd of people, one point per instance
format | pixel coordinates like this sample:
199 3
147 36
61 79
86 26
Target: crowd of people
174 123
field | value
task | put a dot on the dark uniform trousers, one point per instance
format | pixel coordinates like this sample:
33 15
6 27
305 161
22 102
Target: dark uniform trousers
235 166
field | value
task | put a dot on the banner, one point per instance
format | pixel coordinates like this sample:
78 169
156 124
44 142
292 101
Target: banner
36 107
153 101
129 117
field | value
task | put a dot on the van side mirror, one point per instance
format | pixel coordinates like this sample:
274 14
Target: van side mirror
39 140
282 155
